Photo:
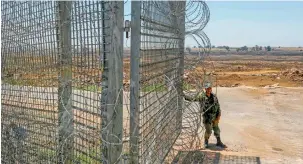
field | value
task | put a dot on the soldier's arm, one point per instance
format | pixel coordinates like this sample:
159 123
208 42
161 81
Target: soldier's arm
218 106
189 98
199 97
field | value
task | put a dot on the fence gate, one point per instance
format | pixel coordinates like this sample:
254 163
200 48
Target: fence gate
54 57
62 72
157 58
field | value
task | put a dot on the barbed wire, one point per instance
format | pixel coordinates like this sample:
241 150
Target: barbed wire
197 16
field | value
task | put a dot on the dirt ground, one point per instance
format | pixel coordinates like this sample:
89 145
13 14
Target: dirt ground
261 99
226 70
258 71
265 123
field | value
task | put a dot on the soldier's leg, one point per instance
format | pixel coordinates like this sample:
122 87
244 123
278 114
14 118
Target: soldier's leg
217 134
208 128
215 127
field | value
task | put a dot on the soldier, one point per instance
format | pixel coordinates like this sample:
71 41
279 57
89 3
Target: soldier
209 104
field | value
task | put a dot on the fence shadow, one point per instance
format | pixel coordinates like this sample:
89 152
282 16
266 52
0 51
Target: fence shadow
213 147
207 157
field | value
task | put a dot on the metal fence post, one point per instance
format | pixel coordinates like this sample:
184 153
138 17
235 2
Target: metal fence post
112 82
134 80
181 25
65 149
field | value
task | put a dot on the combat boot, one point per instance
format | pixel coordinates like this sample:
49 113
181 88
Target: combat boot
206 143
219 143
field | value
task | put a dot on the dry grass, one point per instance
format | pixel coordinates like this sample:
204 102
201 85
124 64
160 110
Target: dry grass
250 70
289 48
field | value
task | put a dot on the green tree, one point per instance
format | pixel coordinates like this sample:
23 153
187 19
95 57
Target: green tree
268 48
256 48
244 48
227 48
260 48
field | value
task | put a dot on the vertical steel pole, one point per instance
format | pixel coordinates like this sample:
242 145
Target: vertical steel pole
104 84
134 80
65 154
112 81
181 25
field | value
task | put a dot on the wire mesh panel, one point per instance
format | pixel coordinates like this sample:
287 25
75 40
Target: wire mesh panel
160 71
28 95
87 56
52 64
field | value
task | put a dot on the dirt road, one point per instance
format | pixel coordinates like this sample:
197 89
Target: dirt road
262 122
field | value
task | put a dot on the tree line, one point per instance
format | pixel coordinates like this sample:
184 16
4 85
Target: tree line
244 48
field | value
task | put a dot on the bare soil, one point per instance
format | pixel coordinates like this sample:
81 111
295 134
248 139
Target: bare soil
261 99
258 71
226 70
261 122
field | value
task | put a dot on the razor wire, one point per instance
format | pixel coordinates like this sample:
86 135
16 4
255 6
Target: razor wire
197 15
158 102
30 74
159 62
160 38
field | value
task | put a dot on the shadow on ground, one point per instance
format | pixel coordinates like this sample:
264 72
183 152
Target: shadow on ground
207 157
213 147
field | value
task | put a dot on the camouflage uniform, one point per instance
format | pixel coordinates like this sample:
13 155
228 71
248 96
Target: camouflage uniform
211 108
212 113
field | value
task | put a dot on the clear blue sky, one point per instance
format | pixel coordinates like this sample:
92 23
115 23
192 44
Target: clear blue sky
263 23
250 23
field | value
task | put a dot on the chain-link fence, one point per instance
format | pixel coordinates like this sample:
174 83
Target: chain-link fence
52 67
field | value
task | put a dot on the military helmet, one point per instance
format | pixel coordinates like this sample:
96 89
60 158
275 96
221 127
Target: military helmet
207 85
